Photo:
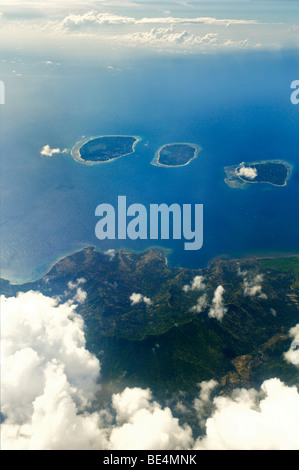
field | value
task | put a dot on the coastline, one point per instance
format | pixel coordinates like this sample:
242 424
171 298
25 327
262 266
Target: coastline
165 252
49 266
156 162
234 180
76 155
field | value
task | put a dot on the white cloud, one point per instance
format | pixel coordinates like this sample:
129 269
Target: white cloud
248 172
204 399
201 303
165 31
199 20
49 380
292 355
242 44
146 425
76 284
196 284
127 403
206 388
73 21
252 420
169 36
138 298
252 285
92 17
80 295
217 309
47 151
48 376
294 27
110 253
109 26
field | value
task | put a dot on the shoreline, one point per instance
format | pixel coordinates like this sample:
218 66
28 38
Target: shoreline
234 180
76 155
263 162
166 252
156 162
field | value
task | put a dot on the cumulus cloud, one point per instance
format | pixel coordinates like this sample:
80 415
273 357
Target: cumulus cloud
76 21
110 253
253 287
247 171
292 355
47 151
76 284
168 35
49 383
138 298
201 304
164 31
254 420
49 380
242 44
202 403
92 17
218 310
48 376
80 295
108 26
206 388
196 284
146 425
252 284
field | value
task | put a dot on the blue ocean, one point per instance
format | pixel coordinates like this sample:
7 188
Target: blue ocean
235 106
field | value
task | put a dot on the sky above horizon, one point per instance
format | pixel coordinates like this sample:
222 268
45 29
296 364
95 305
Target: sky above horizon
93 29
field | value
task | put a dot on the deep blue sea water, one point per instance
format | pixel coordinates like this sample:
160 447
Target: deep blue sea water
236 107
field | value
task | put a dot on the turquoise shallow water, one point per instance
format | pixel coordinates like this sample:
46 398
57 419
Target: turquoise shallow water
236 107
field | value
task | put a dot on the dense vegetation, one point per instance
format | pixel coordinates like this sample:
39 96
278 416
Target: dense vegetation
164 344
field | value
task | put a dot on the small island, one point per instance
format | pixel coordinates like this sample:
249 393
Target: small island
274 172
103 149
176 154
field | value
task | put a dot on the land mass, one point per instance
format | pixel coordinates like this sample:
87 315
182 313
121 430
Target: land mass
176 154
103 149
164 342
275 172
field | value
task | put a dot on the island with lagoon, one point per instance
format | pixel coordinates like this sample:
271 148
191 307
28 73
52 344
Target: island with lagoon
274 172
103 149
176 154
